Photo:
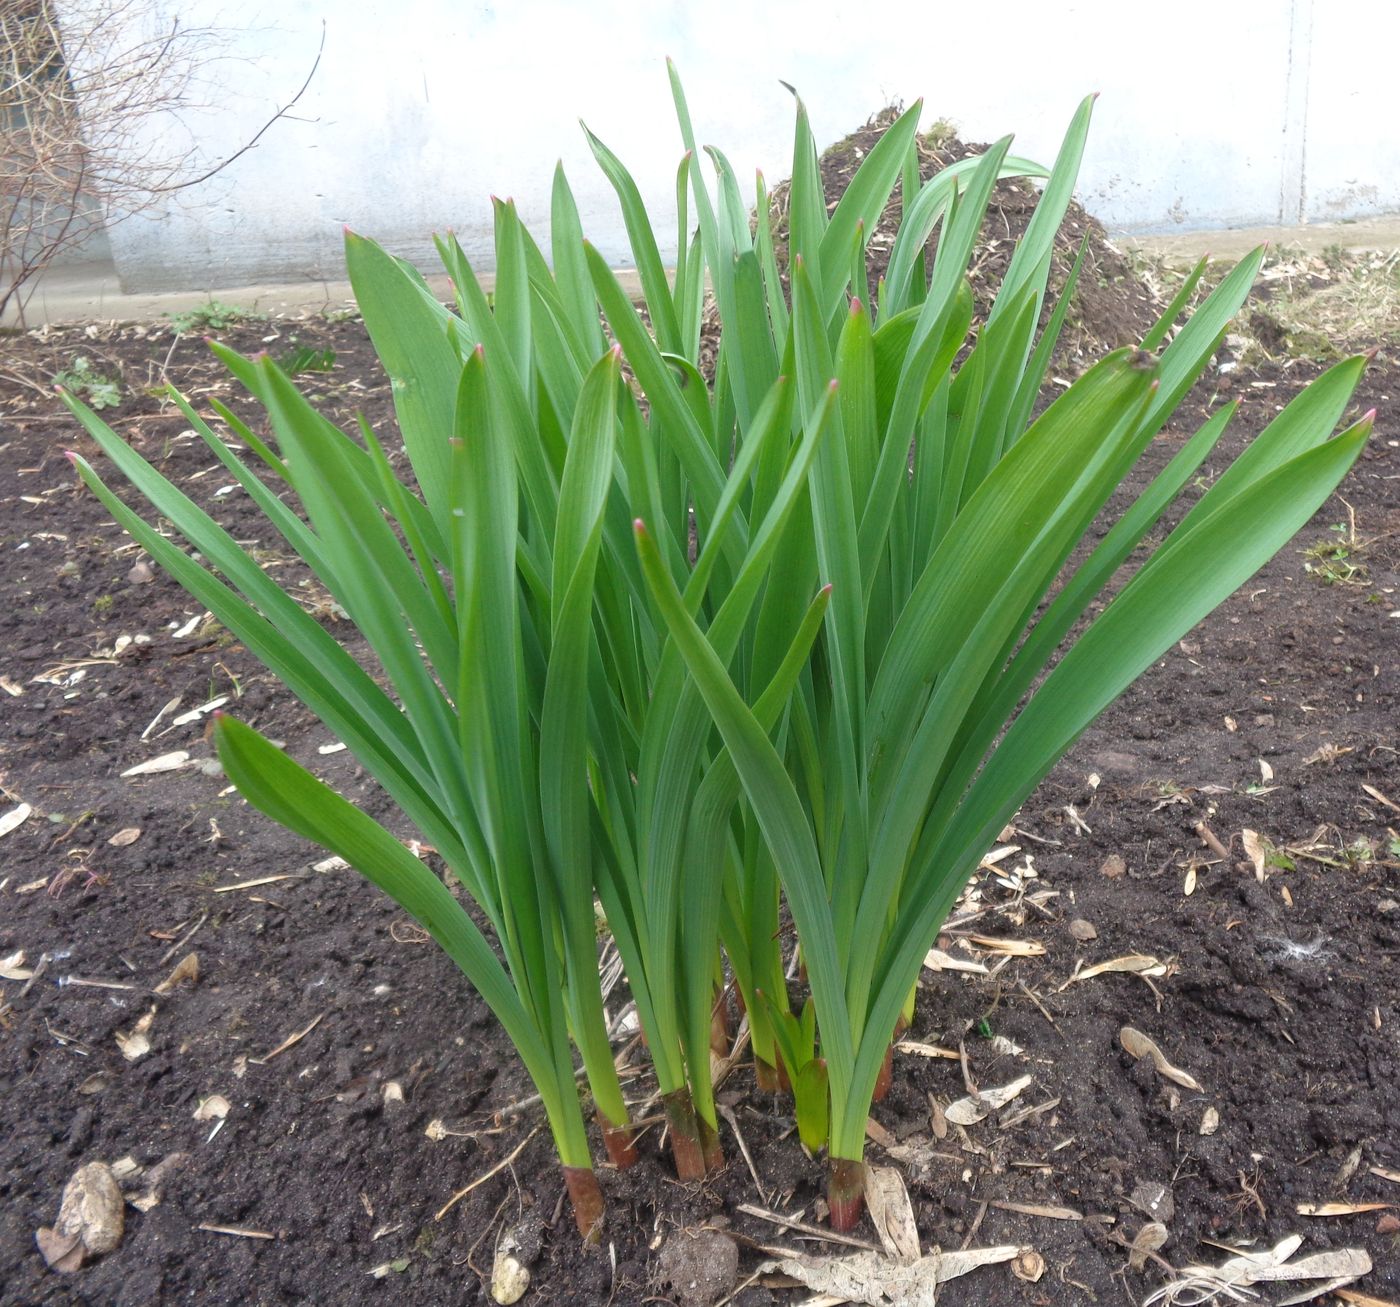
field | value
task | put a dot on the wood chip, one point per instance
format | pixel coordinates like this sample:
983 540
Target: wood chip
1139 1046
254 884
1047 1210
127 835
1341 1209
1357 1299
926 1050
166 762
237 1231
1380 798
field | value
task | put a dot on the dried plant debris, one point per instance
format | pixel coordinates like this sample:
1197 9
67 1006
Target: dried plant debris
976 1107
91 1219
875 1279
1234 1278
892 1214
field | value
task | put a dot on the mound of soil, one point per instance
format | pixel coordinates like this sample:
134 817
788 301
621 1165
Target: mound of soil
1233 819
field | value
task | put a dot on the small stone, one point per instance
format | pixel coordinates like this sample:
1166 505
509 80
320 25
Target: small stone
1083 930
1388 1224
509 1276
1113 867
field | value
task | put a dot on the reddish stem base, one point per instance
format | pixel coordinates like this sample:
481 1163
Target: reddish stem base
685 1135
882 1081
586 1198
845 1193
618 1140
765 1074
710 1147
721 1038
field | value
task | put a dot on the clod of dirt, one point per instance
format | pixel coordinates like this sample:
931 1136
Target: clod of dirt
91 1219
1082 930
699 1266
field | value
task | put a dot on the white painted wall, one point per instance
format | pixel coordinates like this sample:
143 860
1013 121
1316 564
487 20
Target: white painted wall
1210 114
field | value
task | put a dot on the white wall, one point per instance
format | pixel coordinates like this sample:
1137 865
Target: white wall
1210 114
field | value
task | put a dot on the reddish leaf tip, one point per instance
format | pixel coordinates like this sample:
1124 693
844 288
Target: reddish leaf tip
639 526
1371 353
60 390
833 385
1369 415
856 306
70 456
825 590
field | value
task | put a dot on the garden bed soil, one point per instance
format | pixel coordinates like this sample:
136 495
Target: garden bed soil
365 1083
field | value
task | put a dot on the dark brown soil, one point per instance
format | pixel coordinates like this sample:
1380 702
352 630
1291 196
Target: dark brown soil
1279 998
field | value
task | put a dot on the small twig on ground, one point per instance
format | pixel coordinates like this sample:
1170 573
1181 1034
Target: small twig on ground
482 1179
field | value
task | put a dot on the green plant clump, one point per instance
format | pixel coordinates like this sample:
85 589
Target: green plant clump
685 645
82 379
214 316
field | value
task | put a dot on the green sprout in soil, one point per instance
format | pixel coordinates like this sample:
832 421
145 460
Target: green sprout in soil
213 316
694 642
97 389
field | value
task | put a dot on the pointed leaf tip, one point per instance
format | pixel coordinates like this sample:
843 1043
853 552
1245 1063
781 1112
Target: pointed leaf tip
70 456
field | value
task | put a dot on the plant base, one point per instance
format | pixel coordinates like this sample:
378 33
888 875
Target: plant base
721 1038
618 1140
845 1192
710 1147
586 1198
882 1081
685 1135
765 1075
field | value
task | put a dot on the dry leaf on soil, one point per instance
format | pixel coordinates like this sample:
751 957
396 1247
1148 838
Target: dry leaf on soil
14 818
1139 1046
875 1279
1256 849
1136 964
166 762
1197 1284
892 1214
13 968
937 960
1151 1237
970 1110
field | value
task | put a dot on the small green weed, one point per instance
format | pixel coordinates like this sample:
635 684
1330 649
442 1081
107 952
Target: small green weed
214 316
1333 561
302 358
96 388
